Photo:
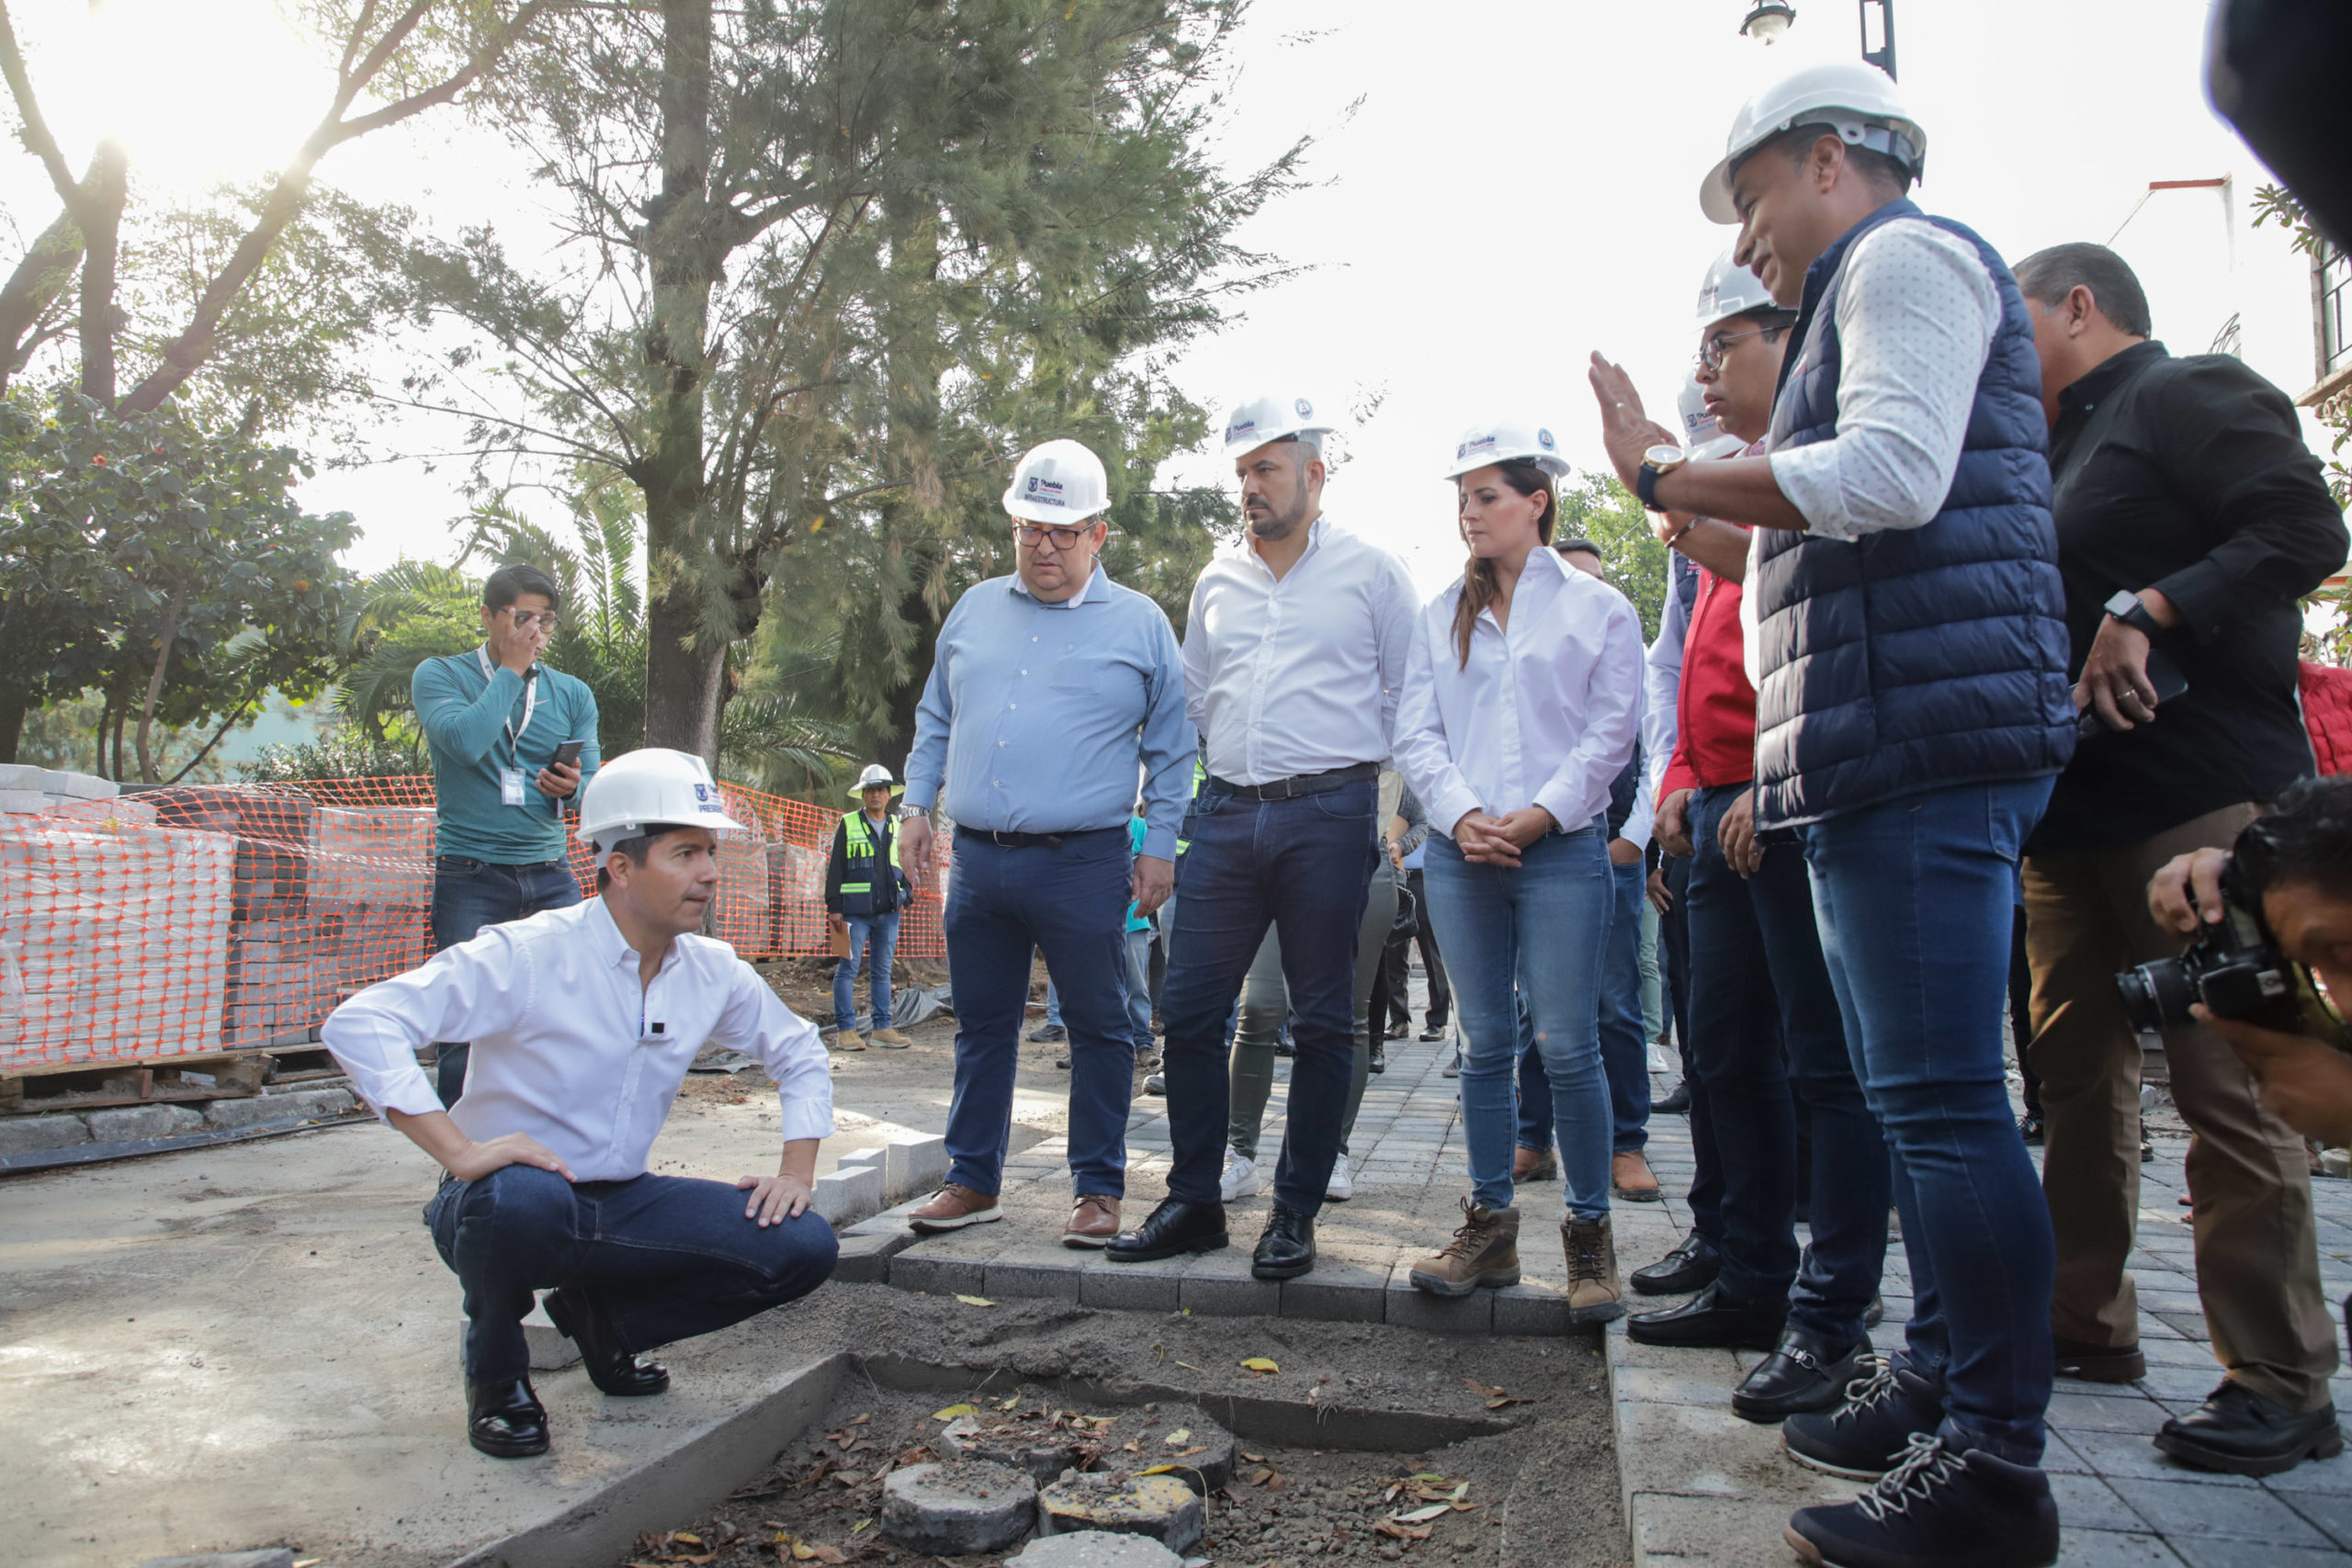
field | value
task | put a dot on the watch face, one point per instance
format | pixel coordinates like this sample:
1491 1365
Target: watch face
1663 456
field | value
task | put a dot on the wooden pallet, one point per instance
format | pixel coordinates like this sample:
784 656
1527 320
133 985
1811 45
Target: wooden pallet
95 1085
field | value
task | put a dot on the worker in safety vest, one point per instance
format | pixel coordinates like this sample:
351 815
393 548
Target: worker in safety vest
865 890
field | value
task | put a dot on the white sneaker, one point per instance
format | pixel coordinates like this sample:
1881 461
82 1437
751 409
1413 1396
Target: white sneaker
1240 1178
1341 1186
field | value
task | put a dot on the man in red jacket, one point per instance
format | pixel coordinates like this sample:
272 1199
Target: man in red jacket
1757 976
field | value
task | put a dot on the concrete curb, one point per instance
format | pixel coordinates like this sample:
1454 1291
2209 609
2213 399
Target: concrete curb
681 1484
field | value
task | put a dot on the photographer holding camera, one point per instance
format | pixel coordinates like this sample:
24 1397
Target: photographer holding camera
2190 518
2291 874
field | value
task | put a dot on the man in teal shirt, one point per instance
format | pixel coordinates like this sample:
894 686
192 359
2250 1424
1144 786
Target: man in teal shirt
495 718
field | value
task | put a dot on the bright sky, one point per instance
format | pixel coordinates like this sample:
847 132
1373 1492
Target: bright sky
1517 189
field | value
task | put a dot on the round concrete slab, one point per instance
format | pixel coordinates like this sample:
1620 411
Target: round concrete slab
1159 1506
1028 1444
958 1506
1095 1549
1172 1433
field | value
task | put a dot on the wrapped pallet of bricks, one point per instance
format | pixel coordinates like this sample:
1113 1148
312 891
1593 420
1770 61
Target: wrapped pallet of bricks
796 885
370 894
275 829
746 915
118 937
27 791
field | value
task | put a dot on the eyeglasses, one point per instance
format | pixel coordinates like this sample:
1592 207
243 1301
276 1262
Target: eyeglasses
1710 353
1036 533
525 619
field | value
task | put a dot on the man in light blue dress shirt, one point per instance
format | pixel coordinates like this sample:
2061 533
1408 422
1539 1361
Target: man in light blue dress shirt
1051 693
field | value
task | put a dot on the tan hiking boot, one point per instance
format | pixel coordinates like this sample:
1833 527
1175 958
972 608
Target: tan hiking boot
952 1208
1533 1165
1594 1293
1482 1255
1094 1221
845 1040
888 1039
1630 1177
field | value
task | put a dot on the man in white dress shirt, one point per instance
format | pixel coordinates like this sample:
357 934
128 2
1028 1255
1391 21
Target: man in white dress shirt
584 1022
1293 652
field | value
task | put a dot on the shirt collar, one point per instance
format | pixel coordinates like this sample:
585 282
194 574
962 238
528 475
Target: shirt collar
1085 591
2107 375
612 948
1315 532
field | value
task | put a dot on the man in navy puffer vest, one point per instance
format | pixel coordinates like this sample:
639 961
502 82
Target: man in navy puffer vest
1912 712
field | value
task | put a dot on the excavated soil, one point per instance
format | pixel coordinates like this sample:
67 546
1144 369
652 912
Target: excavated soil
1532 1468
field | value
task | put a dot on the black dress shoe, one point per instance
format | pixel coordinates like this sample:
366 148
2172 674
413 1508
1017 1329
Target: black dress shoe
610 1368
1174 1228
1677 1100
2097 1363
505 1419
2238 1431
1806 1373
1433 1034
1874 1314
1287 1248
2029 1128
1691 1265
1714 1320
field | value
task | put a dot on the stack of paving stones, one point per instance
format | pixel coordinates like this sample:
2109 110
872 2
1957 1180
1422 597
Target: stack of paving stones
26 791
1007 1476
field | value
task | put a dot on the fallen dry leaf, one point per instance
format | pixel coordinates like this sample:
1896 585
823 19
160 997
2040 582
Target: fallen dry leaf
1396 1531
1261 1365
1195 1449
1181 1435
953 1411
1253 1459
691 1539
1423 1516
974 1300
859 1420
827 1554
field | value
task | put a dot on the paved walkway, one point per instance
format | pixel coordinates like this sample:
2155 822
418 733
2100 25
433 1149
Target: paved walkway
1704 1487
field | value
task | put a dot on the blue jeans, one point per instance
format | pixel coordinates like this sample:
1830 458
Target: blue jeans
1069 903
877 934
1535 932
1624 1048
1765 1023
1303 866
1053 1002
470 894
662 1257
1914 898
1139 989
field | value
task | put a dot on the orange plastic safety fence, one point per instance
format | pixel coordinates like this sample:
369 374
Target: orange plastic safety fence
183 921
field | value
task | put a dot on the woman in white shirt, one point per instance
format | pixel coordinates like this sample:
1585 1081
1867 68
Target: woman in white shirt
1518 710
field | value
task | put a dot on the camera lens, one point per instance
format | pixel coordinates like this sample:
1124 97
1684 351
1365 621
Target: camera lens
2157 996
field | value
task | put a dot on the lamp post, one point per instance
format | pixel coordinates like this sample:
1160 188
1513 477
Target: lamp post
1768 22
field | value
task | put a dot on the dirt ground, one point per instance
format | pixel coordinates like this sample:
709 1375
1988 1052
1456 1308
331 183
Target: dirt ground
1542 1488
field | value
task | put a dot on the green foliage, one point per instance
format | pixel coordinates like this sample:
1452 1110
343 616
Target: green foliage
347 752
1595 505
163 564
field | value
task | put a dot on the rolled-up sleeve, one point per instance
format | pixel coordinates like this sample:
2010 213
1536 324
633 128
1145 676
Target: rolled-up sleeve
1916 311
757 1023
476 988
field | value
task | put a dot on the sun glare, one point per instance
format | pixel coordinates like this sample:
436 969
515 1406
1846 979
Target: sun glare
199 91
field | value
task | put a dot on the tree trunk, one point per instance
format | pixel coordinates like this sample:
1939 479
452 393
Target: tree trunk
103 194
14 703
684 663
45 272
155 688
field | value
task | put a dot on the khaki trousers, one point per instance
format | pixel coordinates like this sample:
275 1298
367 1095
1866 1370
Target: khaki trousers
2258 1252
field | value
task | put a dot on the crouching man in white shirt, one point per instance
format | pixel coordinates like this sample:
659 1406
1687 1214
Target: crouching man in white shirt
584 1022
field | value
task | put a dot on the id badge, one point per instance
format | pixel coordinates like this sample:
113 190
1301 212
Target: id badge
510 787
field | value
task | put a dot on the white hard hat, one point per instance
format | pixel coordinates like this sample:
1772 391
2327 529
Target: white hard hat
1859 101
876 776
1732 290
1505 440
1060 481
1270 417
651 788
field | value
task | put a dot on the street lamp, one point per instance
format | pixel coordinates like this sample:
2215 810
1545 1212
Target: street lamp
1883 55
1769 22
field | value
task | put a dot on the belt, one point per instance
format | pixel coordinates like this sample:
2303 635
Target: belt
1030 841
1306 784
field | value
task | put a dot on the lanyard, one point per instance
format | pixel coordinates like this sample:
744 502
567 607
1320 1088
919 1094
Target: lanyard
530 702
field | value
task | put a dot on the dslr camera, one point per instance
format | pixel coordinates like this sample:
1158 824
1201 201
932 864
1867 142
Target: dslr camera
2235 969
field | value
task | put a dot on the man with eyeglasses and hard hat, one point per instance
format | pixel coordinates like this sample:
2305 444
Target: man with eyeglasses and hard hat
1052 690
1293 652
584 1022
865 890
1913 710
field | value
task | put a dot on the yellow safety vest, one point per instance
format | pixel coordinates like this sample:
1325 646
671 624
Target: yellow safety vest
858 849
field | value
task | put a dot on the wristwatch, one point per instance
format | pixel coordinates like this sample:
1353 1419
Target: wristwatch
905 812
2129 608
1657 463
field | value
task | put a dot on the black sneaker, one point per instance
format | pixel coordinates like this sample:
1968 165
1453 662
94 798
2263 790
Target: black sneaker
2029 1128
1869 1433
1046 1034
1936 1509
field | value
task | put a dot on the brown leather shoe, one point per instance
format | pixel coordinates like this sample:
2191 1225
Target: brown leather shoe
1093 1223
1594 1293
1533 1165
952 1208
1630 1178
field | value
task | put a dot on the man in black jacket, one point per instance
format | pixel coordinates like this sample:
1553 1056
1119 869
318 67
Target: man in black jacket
865 890
2190 519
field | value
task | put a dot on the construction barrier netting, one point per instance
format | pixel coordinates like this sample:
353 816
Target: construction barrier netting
209 917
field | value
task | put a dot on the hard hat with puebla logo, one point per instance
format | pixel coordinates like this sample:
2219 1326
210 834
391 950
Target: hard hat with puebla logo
647 788
1059 481
1507 441
1272 416
1860 102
